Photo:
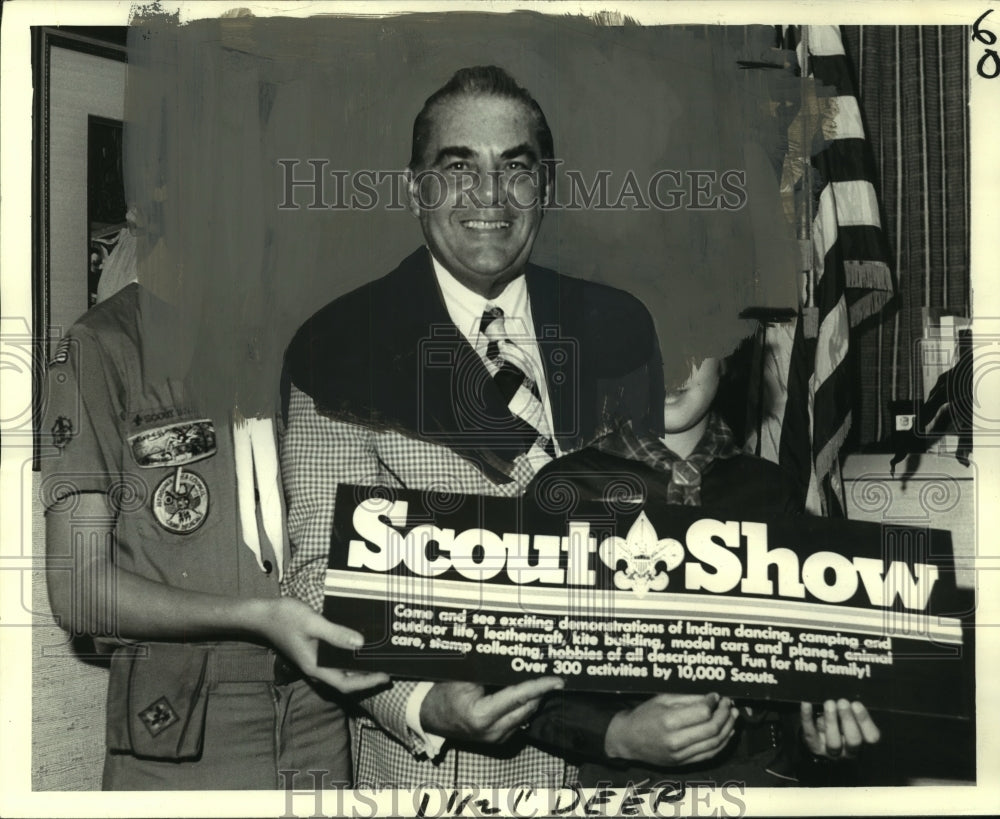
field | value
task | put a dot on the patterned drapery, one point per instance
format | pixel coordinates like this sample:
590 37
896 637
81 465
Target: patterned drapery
913 91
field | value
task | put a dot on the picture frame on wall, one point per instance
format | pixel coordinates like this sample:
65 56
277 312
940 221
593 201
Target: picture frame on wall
77 192
106 206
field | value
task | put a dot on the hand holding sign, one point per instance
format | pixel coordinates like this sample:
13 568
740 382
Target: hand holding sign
296 630
672 729
840 731
463 710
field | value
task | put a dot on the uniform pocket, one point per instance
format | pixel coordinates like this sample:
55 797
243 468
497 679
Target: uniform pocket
157 701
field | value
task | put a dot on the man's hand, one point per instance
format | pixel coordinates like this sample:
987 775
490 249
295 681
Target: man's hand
463 710
296 630
840 731
672 729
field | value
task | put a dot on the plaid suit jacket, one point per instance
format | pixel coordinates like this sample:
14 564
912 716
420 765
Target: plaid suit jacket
380 388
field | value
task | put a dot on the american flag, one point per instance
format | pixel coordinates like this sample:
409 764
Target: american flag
846 278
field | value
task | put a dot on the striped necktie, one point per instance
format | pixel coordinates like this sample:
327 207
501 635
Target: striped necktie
513 371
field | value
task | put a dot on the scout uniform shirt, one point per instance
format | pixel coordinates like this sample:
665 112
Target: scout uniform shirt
118 422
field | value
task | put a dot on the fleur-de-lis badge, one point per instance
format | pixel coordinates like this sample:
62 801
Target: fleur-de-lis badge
643 553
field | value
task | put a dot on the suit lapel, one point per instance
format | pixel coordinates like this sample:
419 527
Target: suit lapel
422 350
438 373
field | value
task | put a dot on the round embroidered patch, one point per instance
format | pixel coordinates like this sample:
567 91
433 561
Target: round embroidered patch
180 502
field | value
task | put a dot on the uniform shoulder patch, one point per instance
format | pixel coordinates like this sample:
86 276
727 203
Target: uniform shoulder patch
62 431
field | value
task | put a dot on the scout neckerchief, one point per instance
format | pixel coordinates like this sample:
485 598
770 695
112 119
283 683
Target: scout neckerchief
685 473
257 468
256 464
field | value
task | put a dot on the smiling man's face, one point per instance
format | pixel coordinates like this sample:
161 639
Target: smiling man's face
478 195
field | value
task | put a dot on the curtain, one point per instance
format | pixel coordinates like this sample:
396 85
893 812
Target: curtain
913 90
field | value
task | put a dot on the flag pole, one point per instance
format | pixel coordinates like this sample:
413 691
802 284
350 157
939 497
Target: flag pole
809 310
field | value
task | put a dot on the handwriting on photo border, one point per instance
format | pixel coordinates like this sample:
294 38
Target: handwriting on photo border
311 793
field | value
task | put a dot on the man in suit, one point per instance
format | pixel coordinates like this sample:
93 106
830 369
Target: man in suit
466 369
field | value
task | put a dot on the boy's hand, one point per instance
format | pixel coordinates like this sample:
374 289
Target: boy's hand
840 731
296 631
672 729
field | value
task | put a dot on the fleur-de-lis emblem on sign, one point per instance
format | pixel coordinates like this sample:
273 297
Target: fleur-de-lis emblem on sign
643 553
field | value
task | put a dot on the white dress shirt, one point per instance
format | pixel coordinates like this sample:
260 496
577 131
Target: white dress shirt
466 309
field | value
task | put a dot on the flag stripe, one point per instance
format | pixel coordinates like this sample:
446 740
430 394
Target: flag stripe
832 71
849 159
825 41
831 343
795 451
851 281
847 120
833 404
855 201
859 245
777 355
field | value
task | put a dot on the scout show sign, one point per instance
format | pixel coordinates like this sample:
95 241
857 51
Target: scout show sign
649 597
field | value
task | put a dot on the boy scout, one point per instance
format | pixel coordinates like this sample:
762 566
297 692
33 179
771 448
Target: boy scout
153 549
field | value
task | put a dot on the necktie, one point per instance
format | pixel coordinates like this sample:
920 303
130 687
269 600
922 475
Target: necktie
514 375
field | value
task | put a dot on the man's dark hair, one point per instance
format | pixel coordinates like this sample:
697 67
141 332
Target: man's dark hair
481 80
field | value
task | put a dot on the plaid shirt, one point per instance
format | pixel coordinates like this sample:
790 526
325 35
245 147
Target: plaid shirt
318 453
685 473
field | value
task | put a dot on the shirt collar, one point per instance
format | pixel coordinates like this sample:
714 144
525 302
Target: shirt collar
465 307
716 443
